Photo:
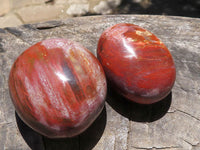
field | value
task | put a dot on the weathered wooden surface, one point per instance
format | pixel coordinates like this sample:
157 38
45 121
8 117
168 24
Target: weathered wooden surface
173 123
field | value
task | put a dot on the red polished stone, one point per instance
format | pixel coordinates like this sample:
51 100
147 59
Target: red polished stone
137 63
58 87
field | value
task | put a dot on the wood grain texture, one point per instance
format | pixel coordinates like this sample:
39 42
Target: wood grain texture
173 123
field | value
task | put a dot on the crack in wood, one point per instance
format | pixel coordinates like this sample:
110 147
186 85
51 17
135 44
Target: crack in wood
193 145
48 25
184 89
151 148
140 148
178 110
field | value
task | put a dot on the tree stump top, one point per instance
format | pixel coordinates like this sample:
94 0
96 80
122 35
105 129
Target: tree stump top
173 123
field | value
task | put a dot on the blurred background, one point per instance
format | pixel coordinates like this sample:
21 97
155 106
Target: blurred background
17 12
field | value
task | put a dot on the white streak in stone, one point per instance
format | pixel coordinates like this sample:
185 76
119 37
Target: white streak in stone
53 96
36 99
57 43
153 92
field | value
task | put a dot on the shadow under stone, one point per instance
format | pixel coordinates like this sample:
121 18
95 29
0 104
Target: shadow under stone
85 141
32 138
138 112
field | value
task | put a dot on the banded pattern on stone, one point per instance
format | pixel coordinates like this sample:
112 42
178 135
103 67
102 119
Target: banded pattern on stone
58 87
137 63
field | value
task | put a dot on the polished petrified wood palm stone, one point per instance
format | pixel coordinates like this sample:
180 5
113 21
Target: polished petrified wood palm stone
58 87
138 64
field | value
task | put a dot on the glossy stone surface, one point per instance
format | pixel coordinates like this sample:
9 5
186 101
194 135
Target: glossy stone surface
58 87
136 62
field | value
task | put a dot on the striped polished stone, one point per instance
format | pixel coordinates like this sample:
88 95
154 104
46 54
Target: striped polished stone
138 64
58 87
